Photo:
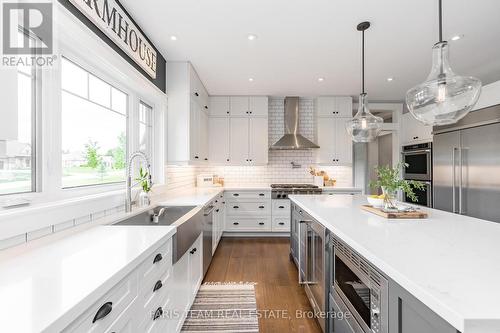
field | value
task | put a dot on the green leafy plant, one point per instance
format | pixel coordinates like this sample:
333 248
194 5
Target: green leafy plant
390 181
144 180
92 155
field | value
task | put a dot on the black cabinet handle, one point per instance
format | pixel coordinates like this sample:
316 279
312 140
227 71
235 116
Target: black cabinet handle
157 286
157 258
281 207
246 112
196 94
235 223
223 202
206 159
158 313
250 160
261 194
227 112
250 112
261 223
103 311
196 157
236 207
236 195
192 251
217 210
281 223
206 107
261 207
227 159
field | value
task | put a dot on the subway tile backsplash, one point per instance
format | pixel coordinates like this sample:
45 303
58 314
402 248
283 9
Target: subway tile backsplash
279 169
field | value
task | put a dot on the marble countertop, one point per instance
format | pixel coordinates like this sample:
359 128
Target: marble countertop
44 288
449 262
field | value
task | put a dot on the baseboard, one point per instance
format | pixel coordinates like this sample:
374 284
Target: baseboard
256 234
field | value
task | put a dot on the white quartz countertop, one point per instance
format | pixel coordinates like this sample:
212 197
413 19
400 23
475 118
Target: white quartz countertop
44 288
449 262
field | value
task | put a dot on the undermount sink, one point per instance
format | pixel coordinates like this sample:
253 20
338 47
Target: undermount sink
170 215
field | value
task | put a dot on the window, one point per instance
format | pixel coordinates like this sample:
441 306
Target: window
17 125
94 129
146 128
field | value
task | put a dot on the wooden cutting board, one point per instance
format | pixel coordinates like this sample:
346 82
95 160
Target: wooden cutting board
395 215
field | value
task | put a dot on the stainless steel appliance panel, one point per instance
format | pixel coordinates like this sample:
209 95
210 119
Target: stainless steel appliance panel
208 212
479 172
445 171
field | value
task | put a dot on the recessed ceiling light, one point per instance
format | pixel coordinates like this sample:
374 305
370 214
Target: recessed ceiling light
457 37
251 37
389 79
173 37
321 79
250 79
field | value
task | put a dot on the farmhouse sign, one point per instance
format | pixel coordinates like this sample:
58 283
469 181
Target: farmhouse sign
111 18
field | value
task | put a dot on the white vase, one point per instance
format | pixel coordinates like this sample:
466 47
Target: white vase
318 181
144 199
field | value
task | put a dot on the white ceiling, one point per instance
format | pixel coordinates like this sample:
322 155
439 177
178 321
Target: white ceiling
301 40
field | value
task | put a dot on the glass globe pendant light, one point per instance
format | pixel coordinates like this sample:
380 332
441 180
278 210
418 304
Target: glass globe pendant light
445 97
364 126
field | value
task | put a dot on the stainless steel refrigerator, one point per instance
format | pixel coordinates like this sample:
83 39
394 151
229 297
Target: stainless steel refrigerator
466 165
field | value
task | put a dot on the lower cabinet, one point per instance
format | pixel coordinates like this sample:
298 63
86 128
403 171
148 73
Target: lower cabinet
155 297
408 315
248 211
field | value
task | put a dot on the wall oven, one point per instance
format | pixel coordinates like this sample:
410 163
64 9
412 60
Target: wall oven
424 197
312 263
419 160
358 289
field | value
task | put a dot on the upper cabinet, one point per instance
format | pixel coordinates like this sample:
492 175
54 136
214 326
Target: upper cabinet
239 106
335 106
335 144
413 131
187 116
238 130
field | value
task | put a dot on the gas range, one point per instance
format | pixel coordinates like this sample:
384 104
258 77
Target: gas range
281 191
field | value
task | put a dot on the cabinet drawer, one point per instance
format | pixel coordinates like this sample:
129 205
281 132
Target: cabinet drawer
157 264
117 300
156 318
248 224
281 224
233 195
281 207
152 291
254 208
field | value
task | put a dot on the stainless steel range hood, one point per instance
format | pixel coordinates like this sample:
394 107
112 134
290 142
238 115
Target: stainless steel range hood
292 140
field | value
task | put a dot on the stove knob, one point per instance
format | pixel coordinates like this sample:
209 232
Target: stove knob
285 196
278 196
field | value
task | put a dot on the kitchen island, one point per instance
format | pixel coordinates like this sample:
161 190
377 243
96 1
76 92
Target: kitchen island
447 264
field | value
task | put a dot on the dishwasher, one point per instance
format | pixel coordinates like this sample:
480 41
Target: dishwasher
208 212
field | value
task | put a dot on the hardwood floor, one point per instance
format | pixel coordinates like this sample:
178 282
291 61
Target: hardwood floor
266 262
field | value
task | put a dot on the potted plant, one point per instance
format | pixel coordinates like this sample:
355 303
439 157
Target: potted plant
390 181
146 184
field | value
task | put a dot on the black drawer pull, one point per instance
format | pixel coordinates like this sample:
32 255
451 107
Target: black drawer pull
157 258
206 159
216 210
236 207
236 195
261 194
261 223
281 223
158 313
103 311
235 223
157 286
196 94
192 251
261 207
281 207
196 157
206 107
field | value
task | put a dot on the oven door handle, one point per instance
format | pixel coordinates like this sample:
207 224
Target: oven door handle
418 151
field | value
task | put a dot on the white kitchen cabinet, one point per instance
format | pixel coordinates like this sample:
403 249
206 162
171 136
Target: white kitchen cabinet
334 141
239 106
195 266
238 145
259 106
218 130
258 144
248 211
335 106
187 126
413 131
219 106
